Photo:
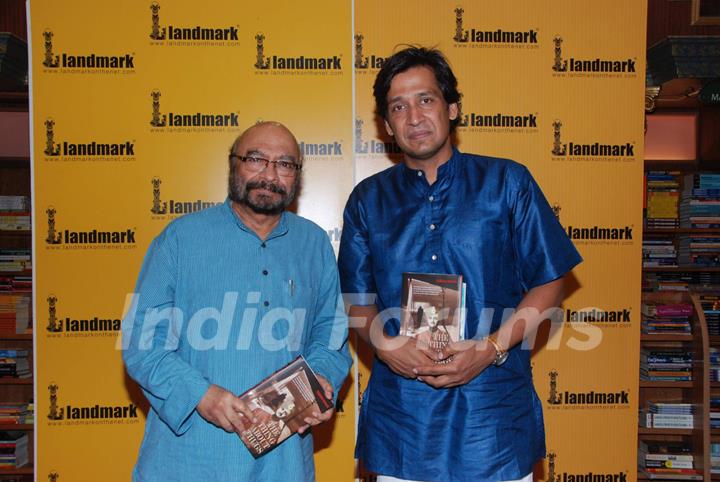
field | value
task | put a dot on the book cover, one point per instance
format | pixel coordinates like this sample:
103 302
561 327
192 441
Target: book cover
432 308
280 403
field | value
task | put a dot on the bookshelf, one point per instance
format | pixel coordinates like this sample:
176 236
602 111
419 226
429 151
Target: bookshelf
694 281
15 181
696 392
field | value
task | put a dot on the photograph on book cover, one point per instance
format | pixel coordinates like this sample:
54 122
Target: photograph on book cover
280 404
431 308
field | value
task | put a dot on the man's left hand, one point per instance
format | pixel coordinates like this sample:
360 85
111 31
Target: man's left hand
461 362
320 417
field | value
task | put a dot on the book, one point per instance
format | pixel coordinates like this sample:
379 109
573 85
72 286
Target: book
432 308
281 402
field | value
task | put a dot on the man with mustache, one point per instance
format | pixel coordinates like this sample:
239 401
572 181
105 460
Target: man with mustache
225 297
469 413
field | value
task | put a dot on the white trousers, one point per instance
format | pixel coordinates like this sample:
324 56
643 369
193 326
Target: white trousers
387 478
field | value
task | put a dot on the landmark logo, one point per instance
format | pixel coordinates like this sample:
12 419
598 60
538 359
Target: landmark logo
189 36
591 399
54 325
72 414
91 326
54 413
597 67
300 65
373 147
160 209
190 122
321 150
556 208
53 476
93 151
90 239
51 60
491 36
500 122
554 476
363 63
551 477
599 316
86 63
594 150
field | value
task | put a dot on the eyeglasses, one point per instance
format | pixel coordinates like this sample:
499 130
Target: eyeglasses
258 164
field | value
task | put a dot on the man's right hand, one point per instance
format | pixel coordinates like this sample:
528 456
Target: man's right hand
402 354
223 409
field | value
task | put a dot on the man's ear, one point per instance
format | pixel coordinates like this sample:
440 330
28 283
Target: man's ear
453 110
388 129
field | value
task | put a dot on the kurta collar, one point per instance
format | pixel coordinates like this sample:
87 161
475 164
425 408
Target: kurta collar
280 230
445 172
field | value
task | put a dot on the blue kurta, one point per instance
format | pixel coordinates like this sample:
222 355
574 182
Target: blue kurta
238 305
483 218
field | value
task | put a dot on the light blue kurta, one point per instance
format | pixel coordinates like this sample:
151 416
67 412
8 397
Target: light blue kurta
231 296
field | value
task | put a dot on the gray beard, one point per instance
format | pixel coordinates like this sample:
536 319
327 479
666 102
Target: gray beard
240 193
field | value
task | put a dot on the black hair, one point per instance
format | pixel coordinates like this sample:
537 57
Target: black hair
408 58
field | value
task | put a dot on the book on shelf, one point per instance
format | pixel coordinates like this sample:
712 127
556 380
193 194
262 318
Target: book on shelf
432 308
673 474
280 403
656 420
15 203
13 449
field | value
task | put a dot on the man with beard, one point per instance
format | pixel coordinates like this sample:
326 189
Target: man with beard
225 297
470 412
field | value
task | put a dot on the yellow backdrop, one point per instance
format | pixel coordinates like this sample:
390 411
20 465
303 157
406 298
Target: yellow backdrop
134 107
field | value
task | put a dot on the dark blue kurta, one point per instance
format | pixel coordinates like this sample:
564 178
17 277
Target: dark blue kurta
483 218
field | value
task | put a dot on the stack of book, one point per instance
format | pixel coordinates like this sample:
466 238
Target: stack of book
700 201
15 221
13 449
665 365
714 411
668 415
14 363
667 461
15 413
15 260
16 284
680 280
711 309
659 253
714 364
15 203
664 318
700 250
15 311
715 458
30 417
663 194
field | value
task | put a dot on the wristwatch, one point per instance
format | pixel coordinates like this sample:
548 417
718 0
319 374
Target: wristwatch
501 354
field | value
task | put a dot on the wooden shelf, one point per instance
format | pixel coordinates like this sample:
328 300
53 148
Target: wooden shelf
14 101
646 384
664 431
16 273
667 337
17 426
16 381
16 336
690 269
680 231
14 161
27 470
15 232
